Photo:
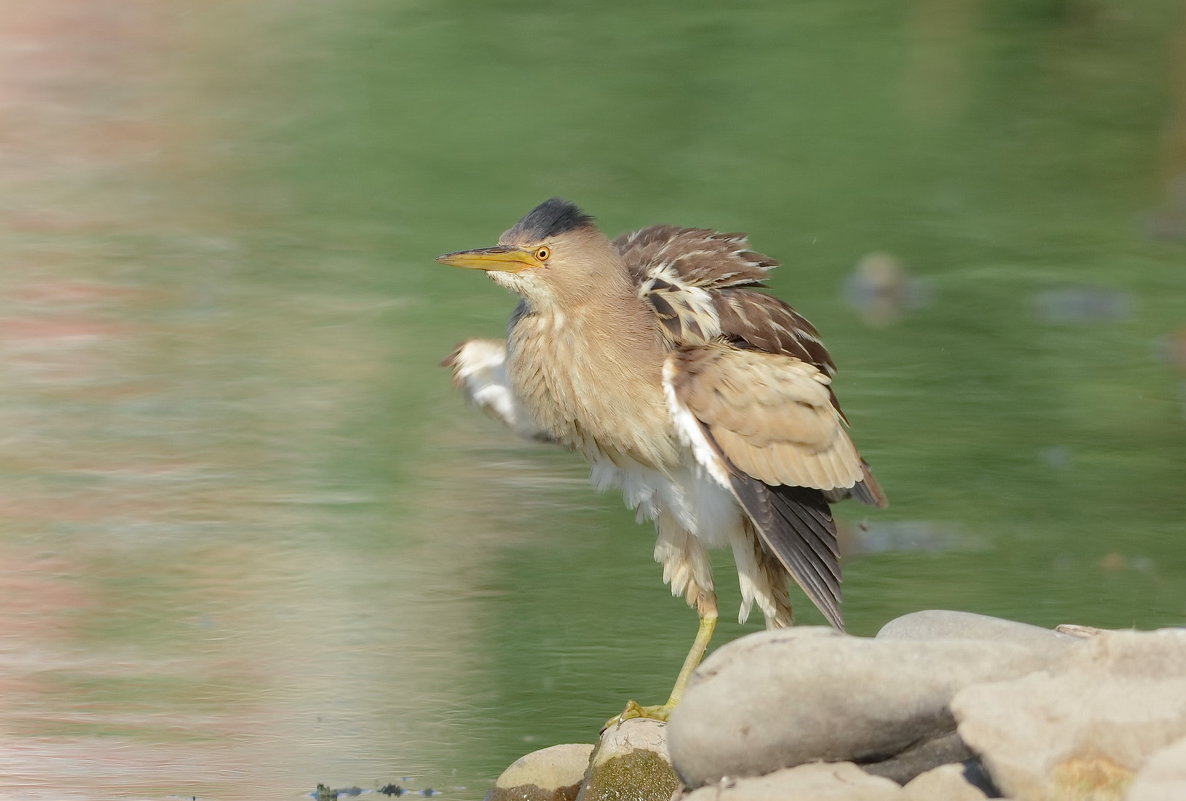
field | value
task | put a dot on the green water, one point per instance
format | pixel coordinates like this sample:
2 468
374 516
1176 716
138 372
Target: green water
250 539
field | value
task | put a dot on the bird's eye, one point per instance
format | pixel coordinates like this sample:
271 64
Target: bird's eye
543 253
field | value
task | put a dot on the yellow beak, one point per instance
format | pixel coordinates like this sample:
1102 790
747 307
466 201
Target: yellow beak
500 258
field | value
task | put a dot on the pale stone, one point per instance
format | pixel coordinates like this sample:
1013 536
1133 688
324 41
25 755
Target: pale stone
550 774
782 698
631 762
1084 726
832 781
1163 776
934 624
944 783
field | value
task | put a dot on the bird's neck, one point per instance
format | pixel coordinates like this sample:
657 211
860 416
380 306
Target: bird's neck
590 372
609 324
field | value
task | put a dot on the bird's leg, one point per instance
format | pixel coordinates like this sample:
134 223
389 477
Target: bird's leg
708 624
706 606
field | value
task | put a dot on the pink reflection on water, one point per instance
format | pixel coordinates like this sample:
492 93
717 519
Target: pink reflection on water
86 714
72 726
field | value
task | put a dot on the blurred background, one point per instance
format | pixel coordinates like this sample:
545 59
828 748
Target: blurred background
252 541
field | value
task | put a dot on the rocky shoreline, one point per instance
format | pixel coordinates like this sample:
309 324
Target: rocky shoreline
938 706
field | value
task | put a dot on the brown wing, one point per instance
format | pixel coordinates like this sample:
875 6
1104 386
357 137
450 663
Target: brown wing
766 424
757 320
693 256
748 383
771 415
702 285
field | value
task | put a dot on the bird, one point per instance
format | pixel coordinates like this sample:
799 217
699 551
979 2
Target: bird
659 357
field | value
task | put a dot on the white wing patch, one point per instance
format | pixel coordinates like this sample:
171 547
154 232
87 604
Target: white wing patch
690 432
687 313
480 372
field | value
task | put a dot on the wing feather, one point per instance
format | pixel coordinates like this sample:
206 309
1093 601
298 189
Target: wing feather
703 286
795 525
747 381
763 322
777 473
479 371
693 256
771 416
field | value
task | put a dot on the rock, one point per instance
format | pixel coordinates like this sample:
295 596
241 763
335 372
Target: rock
551 774
935 624
920 758
782 698
1083 728
976 775
944 783
631 762
1163 777
835 781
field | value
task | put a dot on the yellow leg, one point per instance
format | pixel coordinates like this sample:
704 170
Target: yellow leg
708 623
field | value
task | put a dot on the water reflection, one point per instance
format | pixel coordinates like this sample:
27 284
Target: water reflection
251 541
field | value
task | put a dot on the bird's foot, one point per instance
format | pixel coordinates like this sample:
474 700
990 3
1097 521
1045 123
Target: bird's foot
708 621
636 710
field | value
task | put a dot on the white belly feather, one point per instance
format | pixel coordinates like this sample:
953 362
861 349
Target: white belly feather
692 512
690 504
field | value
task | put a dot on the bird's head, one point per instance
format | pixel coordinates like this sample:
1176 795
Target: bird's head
554 255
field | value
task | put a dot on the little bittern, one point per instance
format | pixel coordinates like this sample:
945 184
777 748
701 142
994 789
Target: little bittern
706 401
